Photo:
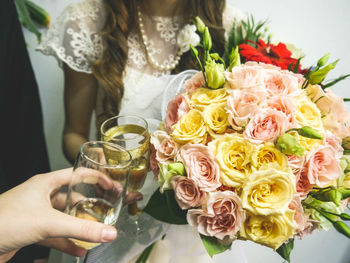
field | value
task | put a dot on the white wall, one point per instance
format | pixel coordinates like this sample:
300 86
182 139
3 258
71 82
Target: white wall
316 26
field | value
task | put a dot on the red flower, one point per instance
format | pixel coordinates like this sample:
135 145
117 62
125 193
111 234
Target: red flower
277 55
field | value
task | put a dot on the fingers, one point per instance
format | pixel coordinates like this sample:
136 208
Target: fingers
132 197
86 230
64 245
6 257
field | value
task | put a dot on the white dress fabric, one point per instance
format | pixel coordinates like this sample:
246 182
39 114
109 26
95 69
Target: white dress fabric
73 40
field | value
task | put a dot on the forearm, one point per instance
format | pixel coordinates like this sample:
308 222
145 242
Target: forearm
71 145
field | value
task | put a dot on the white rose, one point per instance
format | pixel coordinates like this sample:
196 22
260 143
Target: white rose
187 36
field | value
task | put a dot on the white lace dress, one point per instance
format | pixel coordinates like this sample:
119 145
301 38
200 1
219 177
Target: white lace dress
72 39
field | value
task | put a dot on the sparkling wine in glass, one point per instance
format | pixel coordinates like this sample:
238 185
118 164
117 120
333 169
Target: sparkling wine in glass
131 132
98 185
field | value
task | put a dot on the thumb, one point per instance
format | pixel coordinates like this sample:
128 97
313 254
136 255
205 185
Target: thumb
82 229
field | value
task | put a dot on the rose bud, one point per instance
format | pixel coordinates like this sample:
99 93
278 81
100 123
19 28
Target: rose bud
215 74
200 25
309 132
342 228
289 145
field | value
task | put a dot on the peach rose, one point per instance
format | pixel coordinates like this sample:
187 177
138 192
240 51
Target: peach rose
200 166
335 142
330 103
222 218
266 125
245 77
241 105
187 192
322 165
167 148
340 129
177 107
303 185
296 162
299 216
194 83
277 83
286 105
153 164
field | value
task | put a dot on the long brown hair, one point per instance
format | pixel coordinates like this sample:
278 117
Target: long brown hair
121 19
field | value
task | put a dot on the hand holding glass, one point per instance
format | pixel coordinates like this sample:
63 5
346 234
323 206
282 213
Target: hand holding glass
98 185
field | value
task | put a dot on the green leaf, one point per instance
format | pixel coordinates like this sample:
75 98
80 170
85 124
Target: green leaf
285 250
145 254
25 19
333 82
213 246
164 207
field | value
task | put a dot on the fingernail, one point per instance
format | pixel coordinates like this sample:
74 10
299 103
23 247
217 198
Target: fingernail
139 198
109 234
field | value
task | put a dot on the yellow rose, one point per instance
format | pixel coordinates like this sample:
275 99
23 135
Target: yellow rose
267 153
271 230
190 128
203 97
308 114
234 155
216 118
268 191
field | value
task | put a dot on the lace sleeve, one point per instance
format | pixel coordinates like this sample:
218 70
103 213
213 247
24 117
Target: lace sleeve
230 16
72 38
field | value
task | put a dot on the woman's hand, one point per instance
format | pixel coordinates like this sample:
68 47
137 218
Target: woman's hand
27 216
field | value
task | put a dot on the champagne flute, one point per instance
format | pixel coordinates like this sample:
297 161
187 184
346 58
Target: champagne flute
131 132
98 184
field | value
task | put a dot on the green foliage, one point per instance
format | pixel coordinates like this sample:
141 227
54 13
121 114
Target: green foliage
285 250
28 12
333 82
164 207
145 254
243 32
213 246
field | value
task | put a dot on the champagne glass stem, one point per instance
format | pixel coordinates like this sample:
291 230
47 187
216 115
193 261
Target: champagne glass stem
133 209
86 256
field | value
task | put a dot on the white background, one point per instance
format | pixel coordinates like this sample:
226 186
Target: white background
316 26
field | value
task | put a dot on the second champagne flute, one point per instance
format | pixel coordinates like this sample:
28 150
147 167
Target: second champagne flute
131 132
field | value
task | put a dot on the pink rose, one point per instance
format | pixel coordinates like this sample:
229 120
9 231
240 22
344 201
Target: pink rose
241 105
330 103
187 192
222 218
167 148
322 165
200 166
299 217
153 162
296 163
337 118
303 185
177 107
196 82
339 128
245 77
277 83
335 142
266 125
286 105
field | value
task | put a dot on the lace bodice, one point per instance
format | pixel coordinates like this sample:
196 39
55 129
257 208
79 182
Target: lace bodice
73 39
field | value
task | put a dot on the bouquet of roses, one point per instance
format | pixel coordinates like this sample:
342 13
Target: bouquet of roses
253 150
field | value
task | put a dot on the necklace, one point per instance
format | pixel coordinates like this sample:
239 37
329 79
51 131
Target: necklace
155 64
